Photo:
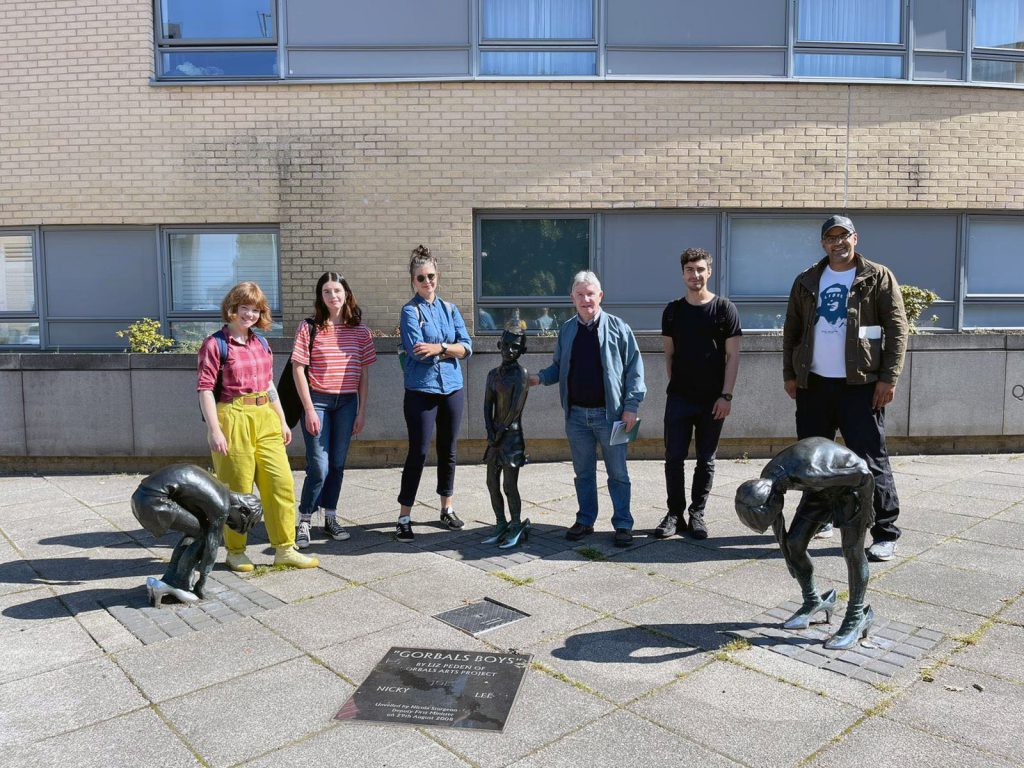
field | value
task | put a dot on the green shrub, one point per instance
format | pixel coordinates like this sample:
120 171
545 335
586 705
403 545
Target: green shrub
916 301
144 336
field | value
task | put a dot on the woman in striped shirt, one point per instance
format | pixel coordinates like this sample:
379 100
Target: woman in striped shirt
332 381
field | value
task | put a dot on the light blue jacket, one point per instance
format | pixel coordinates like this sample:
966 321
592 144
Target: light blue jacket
433 323
624 387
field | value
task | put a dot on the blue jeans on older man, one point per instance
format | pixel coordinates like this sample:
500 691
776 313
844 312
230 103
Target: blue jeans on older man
327 451
585 428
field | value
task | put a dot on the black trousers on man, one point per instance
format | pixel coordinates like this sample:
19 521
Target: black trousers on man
828 405
685 420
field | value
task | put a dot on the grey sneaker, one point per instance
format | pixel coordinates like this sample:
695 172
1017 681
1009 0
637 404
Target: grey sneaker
333 529
880 551
302 536
697 527
825 532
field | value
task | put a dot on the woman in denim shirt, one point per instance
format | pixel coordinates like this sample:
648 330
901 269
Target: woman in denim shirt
434 337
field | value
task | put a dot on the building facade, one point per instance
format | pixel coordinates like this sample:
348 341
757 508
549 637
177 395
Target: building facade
154 153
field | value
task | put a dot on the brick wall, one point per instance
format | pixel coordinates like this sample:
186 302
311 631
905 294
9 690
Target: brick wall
357 174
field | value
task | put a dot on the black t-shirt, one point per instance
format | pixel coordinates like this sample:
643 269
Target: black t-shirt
698 337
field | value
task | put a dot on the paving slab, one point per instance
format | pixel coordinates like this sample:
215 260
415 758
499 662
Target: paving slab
605 586
290 701
999 561
550 617
999 653
65 640
1000 532
752 718
960 589
420 589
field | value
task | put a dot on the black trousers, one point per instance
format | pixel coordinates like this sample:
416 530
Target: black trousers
422 411
828 405
683 420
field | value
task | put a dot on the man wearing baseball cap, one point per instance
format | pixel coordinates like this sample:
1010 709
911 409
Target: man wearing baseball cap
843 345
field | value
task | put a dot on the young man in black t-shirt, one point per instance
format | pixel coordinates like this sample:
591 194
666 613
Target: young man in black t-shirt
701 336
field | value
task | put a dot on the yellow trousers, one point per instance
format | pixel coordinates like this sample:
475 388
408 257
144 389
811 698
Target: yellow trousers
256 454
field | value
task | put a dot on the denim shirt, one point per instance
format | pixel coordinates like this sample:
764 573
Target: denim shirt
624 387
441 322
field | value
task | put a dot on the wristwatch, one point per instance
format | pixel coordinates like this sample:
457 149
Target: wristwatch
727 396
444 348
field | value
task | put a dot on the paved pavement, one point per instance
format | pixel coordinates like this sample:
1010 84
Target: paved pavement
634 663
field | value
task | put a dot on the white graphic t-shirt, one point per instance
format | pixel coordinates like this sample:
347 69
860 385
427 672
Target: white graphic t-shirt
830 323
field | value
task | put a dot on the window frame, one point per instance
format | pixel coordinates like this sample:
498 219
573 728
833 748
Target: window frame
901 49
593 44
39 296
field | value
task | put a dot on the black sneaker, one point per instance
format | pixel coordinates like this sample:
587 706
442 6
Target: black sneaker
333 529
623 537
697 528
450 520
667 527
403 531
578 531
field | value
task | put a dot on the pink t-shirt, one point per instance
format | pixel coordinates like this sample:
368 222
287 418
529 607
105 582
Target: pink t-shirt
339 354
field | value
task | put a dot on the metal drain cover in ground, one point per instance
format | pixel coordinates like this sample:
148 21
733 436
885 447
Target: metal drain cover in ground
481 616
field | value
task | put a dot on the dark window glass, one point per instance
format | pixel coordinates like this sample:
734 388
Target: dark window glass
847 65
532 257
988 71
497 317
192 332
849 21
205 266
540 63
538 20
218 19
220 63
999 24
20 333
991 267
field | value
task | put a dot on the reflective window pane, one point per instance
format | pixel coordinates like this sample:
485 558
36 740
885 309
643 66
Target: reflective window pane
989 315
763 316
219 20
538 19
532 319
538 63
24 333
194 331
987 71
17 274
765 255
991 265
999 24
849 21
220 63
204 267
532 257
847 65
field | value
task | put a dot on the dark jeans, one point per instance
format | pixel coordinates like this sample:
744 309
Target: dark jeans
327 451
683 419
422 411
828 405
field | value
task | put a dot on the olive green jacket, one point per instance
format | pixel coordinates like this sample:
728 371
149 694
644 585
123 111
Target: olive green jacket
874 300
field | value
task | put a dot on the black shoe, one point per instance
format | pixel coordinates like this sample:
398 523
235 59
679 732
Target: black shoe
697 528
623 537
578 531
403 531
667 527
450 520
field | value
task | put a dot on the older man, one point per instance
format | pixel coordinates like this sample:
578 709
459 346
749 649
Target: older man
843 347
600 377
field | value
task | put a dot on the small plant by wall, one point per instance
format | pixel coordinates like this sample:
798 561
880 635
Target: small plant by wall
916 301
144 337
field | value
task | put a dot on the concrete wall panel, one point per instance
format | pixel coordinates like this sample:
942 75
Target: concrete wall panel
165 414
957 393
12 415
78 413
1013 413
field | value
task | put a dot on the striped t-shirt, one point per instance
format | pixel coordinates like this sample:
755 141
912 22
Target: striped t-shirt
339 354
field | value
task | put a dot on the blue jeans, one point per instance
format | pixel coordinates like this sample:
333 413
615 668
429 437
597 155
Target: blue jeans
585 428
326 452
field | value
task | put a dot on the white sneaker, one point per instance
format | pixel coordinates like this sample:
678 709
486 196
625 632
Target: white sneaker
825 532
302 536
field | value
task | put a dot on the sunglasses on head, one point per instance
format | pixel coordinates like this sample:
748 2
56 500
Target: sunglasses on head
423 278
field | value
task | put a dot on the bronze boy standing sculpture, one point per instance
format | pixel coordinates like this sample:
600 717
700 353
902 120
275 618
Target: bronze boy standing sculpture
837 484
504 398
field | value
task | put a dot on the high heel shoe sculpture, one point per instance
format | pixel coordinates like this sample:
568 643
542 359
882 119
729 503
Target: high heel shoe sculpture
187 499
504 398
837 487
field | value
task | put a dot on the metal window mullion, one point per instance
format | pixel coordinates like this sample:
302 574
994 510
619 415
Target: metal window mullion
960 265
280 30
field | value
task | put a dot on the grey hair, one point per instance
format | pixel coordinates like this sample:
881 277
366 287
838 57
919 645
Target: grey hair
584 276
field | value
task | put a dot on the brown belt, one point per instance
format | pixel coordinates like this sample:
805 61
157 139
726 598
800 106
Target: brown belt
255 400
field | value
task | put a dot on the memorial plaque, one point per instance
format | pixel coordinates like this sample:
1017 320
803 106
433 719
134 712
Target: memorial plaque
441 688
481 616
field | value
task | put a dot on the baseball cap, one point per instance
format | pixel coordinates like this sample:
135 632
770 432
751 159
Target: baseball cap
837 221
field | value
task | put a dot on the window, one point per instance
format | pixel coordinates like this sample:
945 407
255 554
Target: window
995 283
537 38
526 266
226 39
204 265
998 55
19 314
849 39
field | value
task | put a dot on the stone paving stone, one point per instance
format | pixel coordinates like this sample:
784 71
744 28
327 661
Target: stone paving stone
100 563
935 521
550 617
893 745
987 720
196 661
292 700
385 559
998 561
752 718
976 488
441 586
35 605
766 583
961 505
63 535
623 739
17 576
605 586
107 632
366 745
545 710
944 620
29 490
618 660
998 532
999 652
682 561
93 489
34 509
64 699
959 589
340 616
547 565
65 642
137 739
1014 514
